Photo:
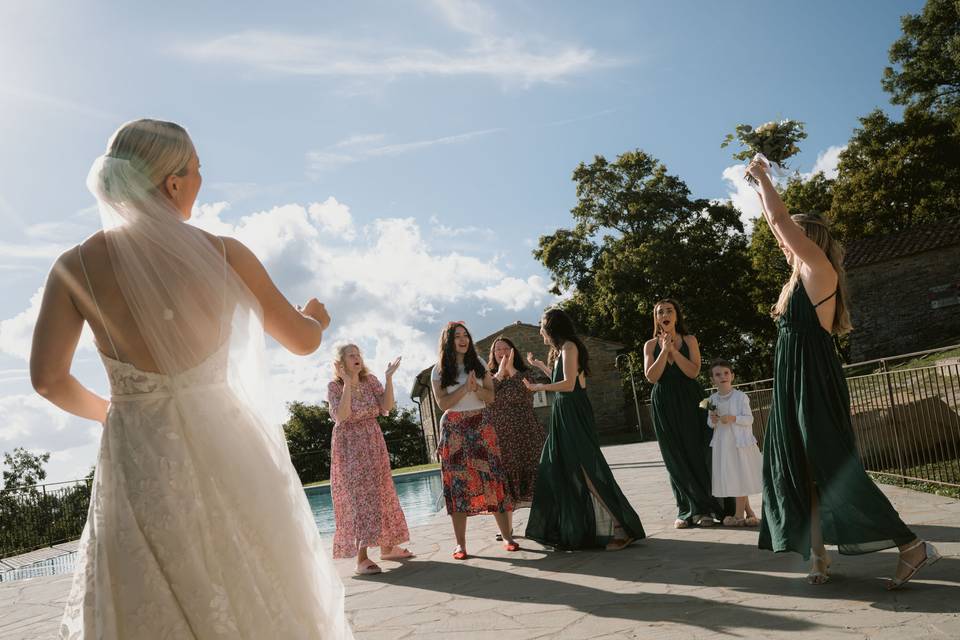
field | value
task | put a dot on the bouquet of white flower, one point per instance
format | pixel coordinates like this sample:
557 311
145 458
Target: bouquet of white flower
773 142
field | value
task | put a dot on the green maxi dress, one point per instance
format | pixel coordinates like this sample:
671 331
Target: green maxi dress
810 436
563 513
684 439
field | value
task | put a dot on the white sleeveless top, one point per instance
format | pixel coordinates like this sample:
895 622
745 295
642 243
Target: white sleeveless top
470 401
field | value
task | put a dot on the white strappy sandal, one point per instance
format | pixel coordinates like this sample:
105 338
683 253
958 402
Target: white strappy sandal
820 577
931 555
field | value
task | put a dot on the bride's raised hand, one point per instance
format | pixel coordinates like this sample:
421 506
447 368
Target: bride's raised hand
315 309
393 366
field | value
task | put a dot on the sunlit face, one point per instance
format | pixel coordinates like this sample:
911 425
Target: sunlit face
187 188
666 317
722 377
461 340
352 360
543 332
500 350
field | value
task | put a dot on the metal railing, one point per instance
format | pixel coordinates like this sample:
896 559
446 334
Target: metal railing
42 515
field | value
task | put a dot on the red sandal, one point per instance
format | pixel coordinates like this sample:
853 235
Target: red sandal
459 553
512 546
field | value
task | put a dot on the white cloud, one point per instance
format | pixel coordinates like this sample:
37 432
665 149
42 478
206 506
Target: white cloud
827 163
516 294
31 250
742 195
16 333
361 147
333 217
524 59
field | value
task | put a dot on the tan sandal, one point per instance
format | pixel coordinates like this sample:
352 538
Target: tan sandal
731 521
681 524
397 553
751 521
367 568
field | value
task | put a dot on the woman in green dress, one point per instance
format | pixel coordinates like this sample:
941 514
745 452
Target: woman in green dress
671 361
577 503
815 489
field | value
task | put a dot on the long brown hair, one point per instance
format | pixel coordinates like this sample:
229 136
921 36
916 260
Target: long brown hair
559 329
518 362
681 328
448 356
818 230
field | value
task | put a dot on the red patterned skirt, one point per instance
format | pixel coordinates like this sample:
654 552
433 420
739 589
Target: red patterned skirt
473 476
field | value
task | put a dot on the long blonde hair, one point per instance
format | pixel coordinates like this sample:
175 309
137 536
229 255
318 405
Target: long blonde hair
818 230
341 354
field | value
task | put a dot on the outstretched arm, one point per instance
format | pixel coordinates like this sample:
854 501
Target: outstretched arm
571 369
299 333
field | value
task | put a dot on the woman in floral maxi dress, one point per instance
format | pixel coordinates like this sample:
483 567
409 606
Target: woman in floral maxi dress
519 432
365 503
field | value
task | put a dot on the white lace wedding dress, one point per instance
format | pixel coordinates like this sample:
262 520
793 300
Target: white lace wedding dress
194 529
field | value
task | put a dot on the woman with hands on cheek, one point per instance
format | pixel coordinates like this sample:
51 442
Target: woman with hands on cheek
365 503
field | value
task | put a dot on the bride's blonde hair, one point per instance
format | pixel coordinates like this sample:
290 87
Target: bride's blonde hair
155 148
341 354
818 230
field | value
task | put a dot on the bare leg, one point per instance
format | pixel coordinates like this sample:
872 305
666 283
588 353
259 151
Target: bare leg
747 508
503 523
596 496
821 563
741 508
460 529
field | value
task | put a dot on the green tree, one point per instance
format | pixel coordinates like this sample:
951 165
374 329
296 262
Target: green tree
24 469
927 59
895 175
639 236
309 432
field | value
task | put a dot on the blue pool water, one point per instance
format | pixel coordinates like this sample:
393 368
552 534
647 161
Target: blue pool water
420 493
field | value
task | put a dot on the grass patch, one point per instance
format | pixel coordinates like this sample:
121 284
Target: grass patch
944 471
420 467
927 360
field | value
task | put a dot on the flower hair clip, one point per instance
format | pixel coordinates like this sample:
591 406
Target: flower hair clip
455 322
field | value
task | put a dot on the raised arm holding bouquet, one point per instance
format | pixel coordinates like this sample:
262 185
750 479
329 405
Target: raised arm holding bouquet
772 142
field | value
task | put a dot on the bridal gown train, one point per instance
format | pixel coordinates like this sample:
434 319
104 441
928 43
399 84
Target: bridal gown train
198 527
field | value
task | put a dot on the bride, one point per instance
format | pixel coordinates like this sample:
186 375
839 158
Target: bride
198 526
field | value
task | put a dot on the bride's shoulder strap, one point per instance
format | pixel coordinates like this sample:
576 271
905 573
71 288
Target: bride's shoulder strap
93 295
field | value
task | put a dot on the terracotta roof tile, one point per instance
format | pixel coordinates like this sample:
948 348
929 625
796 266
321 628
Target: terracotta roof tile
935 235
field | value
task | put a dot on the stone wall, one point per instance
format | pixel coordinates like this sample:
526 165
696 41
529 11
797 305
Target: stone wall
891 304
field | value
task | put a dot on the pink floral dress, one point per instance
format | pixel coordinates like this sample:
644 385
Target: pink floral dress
365 503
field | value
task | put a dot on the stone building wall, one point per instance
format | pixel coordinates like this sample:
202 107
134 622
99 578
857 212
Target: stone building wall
905 304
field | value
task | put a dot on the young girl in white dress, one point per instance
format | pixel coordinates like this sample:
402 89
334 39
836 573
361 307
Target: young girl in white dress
737 462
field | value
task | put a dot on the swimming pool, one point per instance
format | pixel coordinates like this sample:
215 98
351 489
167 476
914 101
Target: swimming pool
420 493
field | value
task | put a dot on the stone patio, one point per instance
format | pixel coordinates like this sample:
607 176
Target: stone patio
695 583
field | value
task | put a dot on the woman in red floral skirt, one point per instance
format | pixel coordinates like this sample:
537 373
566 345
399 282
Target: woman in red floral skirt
473 475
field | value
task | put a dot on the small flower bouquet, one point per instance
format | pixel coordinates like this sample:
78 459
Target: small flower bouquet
773 142
706 404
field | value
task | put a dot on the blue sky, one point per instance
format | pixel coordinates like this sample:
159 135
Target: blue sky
397 159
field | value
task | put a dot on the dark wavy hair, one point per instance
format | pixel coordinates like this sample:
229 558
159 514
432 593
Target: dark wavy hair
518 362
448 356
559 329
681 327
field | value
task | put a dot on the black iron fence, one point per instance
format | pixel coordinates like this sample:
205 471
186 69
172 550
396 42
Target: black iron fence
42 515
